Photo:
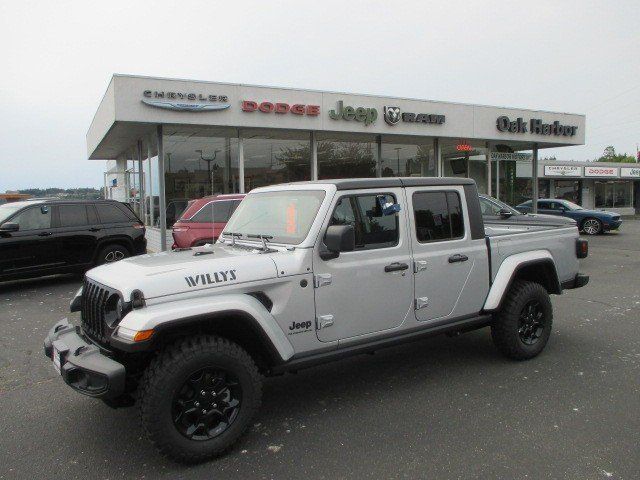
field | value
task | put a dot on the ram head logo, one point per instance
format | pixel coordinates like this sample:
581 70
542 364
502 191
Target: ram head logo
392 115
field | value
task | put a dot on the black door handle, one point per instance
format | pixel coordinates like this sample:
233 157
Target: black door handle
458 257
94 229
44 234
395 267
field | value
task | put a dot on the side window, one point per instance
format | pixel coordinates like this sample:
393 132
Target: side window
372 228
234 205
73 215
545 205
110 213
33 218
488 207
217 212
438 216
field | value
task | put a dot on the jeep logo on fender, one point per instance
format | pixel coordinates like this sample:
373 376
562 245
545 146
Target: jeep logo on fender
211 278
298 326
359 114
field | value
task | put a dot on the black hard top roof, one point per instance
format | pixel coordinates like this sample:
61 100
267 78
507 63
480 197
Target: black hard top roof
391 182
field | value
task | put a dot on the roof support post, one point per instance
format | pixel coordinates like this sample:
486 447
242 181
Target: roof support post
162 204
534 179
488 158
241 164
314 156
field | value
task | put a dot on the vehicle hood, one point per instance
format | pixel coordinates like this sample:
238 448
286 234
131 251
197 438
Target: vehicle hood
169 273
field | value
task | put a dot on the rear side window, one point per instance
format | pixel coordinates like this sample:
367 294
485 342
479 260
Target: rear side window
111 214
73 215
372 228
438 216
33 218
213 212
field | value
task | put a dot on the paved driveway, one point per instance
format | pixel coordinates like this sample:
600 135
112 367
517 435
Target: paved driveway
440 408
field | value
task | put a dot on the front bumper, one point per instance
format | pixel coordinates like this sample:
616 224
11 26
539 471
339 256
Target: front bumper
82 365
612 225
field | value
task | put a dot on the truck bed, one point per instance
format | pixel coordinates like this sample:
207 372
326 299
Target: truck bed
559 240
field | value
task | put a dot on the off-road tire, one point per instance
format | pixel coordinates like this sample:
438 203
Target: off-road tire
168 372
593 226
112 253
506 324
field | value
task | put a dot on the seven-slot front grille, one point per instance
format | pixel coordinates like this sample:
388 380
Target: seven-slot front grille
94 310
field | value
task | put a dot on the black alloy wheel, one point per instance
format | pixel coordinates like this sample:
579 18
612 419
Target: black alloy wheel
531 323
207 404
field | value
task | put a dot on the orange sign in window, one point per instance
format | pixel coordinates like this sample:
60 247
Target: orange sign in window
291 215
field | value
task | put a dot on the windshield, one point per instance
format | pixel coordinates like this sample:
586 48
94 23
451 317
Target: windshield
8 209
286 216
492 206
571 205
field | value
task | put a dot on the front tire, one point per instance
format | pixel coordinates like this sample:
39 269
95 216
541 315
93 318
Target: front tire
522 327
591 226
198 397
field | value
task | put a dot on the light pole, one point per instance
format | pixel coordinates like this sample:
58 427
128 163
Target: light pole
209 160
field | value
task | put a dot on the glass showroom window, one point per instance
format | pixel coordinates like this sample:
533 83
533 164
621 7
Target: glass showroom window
408 159
461 158
198 161
614 194
347 156
569 190
275 158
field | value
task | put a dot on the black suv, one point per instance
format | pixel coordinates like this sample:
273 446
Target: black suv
43 237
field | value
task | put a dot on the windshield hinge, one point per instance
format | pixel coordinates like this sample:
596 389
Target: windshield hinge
419 265
322 279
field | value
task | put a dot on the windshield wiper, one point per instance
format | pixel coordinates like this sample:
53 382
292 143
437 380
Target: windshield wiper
233 236
263 238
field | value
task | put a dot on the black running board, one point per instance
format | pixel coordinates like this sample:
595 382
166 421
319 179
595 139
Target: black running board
462 324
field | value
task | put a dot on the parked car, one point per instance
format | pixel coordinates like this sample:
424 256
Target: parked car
495 211
44 237
203 220
304 273
590 222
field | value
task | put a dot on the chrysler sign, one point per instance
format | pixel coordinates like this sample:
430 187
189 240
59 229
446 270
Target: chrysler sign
185 102
562 171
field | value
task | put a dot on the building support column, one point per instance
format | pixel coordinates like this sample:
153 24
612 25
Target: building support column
314 156
534 179
162 204
150 186
141 183
379 161
437 150
241 164
488 158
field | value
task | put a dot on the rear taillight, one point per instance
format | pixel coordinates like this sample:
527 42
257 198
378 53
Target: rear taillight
180 229
138 226
582 248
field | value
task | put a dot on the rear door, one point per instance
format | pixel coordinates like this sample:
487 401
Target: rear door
370 289
77 232
451 268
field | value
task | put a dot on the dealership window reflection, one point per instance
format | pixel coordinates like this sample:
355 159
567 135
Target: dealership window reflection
347 156
408 159
613 194
276 158
198 162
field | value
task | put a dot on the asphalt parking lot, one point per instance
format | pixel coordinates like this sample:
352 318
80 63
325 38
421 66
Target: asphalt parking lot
439 408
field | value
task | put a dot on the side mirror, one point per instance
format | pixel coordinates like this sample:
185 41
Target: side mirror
9 227
504 213
339 238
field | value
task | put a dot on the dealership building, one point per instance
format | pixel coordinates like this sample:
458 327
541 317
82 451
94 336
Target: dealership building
167 141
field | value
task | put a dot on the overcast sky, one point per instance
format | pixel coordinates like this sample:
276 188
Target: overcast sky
571 56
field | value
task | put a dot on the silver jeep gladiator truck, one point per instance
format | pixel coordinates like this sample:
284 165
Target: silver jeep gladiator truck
304 273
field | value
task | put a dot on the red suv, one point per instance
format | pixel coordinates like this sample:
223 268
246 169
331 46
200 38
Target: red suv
203 220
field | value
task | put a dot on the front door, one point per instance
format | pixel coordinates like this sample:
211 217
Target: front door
33 247
451 269
370 289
